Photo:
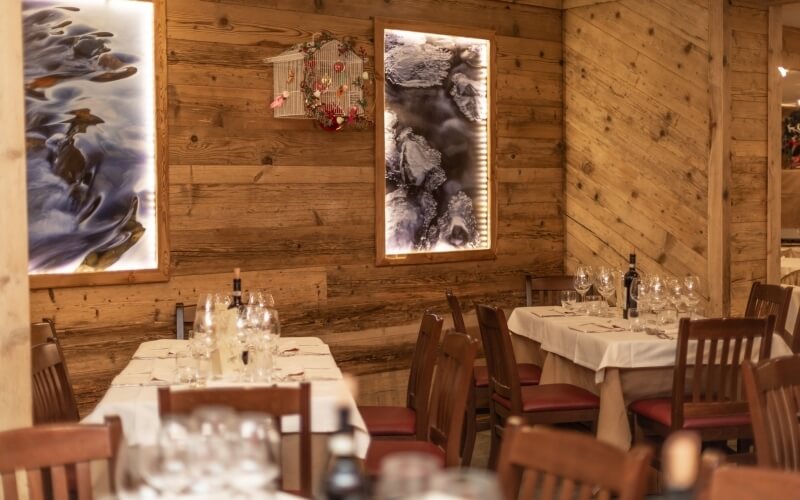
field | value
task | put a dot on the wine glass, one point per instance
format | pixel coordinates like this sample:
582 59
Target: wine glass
583 282
252 471
606 283
638 291
691 287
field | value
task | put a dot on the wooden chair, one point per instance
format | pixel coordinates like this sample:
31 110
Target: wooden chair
773 300
537 404
53 397
50 453
448 403
275 401
544 290
542 463
773 395
394 422
478 404
711 402
184 320
748 483
43 332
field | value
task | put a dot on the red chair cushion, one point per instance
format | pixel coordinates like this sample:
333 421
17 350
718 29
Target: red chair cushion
529 374
553 397
389 420
378 450
660 410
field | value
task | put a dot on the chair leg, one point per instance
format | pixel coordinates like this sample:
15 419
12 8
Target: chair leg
470 430
494 447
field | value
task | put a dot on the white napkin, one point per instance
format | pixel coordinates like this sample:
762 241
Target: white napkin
301 341
597 328
293 349
163 348
549 313
305 362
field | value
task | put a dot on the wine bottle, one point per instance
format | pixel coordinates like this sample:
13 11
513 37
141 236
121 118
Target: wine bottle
344 480
237 289
627 280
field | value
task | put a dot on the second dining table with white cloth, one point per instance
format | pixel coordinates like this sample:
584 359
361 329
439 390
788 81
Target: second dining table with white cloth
604 356
133 396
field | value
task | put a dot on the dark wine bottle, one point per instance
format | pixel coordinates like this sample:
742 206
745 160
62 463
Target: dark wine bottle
344 480
236 300
627 280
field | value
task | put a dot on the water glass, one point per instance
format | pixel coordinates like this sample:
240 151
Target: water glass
636 321
406 475
583 280
594 305
185 370
569 298
465 484
204 371
667 317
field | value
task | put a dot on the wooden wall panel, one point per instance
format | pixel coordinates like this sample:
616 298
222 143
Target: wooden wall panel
748 190
637 134
294 206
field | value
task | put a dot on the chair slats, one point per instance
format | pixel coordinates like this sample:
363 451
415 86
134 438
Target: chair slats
766 300
455 311
53 398
545 290
422 366
747 483
773 395
52 448
274 401
547 464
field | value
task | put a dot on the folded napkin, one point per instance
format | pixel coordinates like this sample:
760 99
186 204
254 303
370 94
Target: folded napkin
597 328
305 362
297 374
146 372
293 349
164 348
551 312
301 341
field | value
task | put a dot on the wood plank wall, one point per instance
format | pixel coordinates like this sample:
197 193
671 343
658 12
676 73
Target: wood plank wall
749 23
293 206
637 133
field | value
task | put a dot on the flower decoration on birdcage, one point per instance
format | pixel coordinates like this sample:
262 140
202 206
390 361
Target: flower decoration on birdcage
325 80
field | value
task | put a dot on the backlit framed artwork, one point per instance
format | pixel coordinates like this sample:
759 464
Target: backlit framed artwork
434 142
95 125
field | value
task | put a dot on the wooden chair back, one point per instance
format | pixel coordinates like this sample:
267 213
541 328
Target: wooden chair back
747 483
48 452
455 311
184 320
537 462
772 300
422 365
773 394
503 375
42 332
450 392
545 290
274 401
53 397
720 346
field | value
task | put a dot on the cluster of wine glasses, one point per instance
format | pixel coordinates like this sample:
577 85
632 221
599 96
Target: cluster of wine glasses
662 300
249 342
214 453
604 281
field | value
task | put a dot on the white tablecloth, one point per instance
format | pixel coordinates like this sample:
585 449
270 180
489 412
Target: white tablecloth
133 394
789 264
598 351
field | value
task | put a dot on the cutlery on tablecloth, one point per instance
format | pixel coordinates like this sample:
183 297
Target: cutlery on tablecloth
597 328
661 334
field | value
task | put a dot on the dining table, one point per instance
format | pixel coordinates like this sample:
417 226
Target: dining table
603 355
133 397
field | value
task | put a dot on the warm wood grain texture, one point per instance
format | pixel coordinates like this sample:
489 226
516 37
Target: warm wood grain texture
790 194
774 142
15 361
749 168
638 132
294 206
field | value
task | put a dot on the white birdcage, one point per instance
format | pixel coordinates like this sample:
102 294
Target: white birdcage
324 73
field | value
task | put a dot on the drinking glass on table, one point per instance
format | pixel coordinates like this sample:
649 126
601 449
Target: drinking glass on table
166 466
252 471
583 282
185 367
638 291
606 283
691 287
569 299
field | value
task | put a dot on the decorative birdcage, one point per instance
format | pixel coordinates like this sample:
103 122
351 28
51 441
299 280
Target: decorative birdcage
323 80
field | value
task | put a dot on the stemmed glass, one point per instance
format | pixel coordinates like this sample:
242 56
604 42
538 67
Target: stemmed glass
252 470
691 287
583 282
638 291
606 283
